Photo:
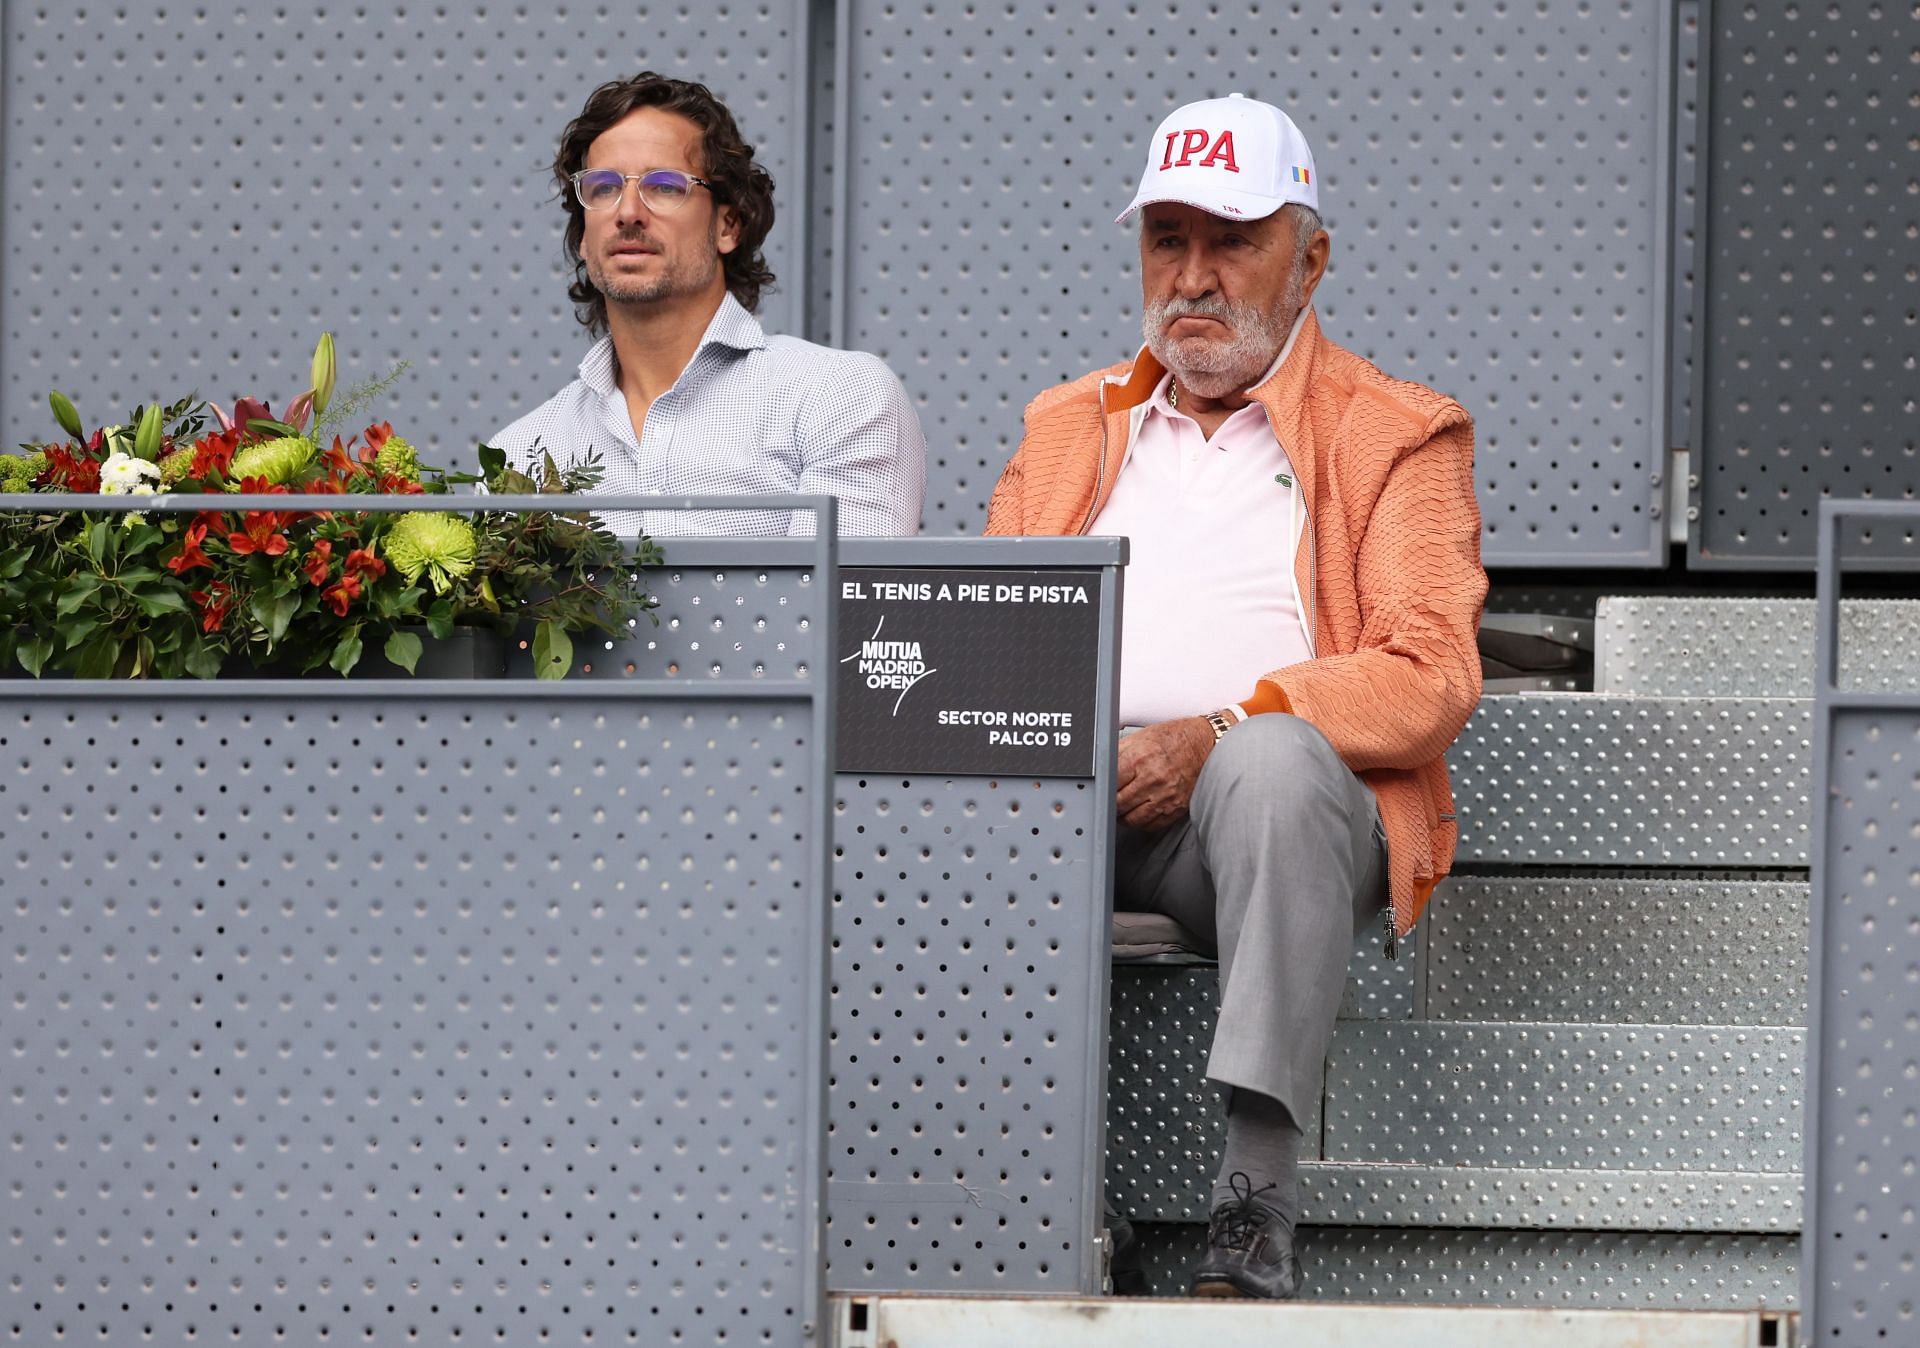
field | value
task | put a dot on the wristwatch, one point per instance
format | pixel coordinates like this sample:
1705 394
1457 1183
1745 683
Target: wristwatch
1221 725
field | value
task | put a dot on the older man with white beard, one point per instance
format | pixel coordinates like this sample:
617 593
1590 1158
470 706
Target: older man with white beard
1298 645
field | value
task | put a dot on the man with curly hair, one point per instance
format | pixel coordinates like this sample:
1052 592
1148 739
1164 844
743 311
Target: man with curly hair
684 394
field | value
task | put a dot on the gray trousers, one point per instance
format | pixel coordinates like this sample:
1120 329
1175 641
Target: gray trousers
1278 867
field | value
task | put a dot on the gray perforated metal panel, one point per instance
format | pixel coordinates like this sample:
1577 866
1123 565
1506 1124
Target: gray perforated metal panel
1683 342
193 193
963 1146
1644 1097
1611 951
1864 1201
483 1014
970 918
1541 1268
1577 778
1495 179
1727 647
1811 287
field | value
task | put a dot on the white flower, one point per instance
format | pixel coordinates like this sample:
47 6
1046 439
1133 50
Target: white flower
123 475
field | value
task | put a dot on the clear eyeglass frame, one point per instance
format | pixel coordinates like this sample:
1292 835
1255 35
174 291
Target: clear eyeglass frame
662 190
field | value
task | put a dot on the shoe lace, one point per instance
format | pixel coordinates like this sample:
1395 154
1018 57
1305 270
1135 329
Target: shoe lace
1242 1219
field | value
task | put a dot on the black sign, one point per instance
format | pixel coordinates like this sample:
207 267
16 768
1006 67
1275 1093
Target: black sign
974 672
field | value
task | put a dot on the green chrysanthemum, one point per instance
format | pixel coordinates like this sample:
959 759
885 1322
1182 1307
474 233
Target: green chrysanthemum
440 545
276 460
398 458
36 464
13 473
174 467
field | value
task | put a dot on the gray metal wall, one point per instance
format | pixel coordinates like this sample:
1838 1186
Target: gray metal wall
193 193
1810 293
1533 209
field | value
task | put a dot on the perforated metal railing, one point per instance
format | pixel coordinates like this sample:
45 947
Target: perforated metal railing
970 945
1862 1238
439 1012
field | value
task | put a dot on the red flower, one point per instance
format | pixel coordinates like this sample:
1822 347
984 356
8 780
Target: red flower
394 485
377 436
213 454
318 561
342 594
71 469
361 561
190 553
214 602
259 533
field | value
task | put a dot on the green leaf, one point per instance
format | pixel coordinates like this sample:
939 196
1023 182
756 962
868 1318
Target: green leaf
13 564
100 542
492 461
78 591
403 648
203 660
440 619
137 575
274 612
155 603
552 651
346 652
33 652
77 631
97 658
515 483
267 426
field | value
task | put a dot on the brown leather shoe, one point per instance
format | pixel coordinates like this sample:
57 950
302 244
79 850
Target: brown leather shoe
1249 1249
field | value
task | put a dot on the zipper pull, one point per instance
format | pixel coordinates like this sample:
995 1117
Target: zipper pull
1392 947
1283 479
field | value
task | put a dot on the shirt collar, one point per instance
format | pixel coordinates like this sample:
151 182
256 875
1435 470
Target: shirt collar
731 326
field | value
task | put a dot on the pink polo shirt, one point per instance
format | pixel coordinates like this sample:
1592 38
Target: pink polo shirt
1213 525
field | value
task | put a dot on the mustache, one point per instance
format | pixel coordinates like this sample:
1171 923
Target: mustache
1205 306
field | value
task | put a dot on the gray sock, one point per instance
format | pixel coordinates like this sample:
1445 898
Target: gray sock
1264 1145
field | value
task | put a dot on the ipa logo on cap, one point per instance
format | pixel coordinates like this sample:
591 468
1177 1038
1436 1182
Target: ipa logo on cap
1219 151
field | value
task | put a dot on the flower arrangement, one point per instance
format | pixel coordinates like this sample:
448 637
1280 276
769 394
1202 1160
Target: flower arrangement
173 593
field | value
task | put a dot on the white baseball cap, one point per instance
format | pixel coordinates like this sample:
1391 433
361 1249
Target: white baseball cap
1235 157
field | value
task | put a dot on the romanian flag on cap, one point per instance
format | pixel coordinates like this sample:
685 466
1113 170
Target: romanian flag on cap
1302 175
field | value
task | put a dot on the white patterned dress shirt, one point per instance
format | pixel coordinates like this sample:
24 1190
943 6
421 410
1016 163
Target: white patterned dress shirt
750 414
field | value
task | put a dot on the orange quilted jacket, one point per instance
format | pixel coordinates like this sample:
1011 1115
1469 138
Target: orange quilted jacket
1391 558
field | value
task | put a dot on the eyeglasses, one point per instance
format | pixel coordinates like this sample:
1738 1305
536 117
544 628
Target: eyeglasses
663 190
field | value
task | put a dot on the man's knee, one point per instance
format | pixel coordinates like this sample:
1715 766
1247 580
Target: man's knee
1272 760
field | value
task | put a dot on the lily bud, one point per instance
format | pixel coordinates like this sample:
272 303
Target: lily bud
64 413
323 373
146 440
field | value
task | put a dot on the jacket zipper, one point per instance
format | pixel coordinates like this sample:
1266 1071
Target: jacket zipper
1100 475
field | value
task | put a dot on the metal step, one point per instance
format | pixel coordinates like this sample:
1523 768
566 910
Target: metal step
1444 1123
1585 779
885 1321
1615 1097
1616 951
1748 647
1567 1269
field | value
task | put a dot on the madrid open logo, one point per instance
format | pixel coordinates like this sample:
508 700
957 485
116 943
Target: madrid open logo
890 664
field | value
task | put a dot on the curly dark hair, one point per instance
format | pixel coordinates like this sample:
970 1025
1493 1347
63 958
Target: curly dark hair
726 162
